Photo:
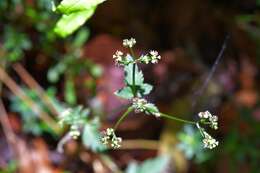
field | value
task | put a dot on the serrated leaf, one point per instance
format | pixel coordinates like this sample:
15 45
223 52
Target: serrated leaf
67 24
71 6
141 87
91 137
125 93
151 108
157 165
139 77
146 89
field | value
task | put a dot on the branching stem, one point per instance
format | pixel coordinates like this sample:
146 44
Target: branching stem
130 109
177 119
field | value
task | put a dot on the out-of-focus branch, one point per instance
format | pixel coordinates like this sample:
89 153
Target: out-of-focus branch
66 138
29 80
139 144
109 163
4 77
9 134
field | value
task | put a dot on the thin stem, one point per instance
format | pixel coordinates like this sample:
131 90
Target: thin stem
134 88
134 67
130 109
132 53
177 119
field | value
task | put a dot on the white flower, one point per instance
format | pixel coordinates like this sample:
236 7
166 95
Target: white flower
118 56
209 142
154 56
116 142
205 114
109 137
208 118
213 122
74 131
129 42
139 105
63 115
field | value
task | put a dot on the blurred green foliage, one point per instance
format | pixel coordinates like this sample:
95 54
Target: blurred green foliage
31 123
11 167
75 14
156 165
190 143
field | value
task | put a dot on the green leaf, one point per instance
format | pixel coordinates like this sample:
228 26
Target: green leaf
157 165
91 136
71 6
151 108
139 77
146 89
125 93
141 87
71 22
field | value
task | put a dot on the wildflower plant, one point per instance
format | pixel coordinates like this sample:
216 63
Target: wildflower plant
136 89
81 124
76 118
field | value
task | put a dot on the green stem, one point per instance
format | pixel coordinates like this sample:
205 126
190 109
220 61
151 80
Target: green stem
132 53
130 109
133 75
177 119
134 88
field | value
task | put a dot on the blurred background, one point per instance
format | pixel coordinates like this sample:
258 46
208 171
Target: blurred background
41 71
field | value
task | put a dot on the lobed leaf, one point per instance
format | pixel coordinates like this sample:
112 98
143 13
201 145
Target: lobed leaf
91 136
125 93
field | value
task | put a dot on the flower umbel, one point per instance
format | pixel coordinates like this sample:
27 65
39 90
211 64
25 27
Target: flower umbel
74 131
109 138
208 141
129 42
141 105
118 56
152 57
207 118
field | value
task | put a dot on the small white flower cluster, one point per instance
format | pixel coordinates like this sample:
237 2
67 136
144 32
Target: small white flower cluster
207 118
65 113
74 131
141 105
75 118
129 42
74 128
152 57
208 141
121 60
118 56
109 138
